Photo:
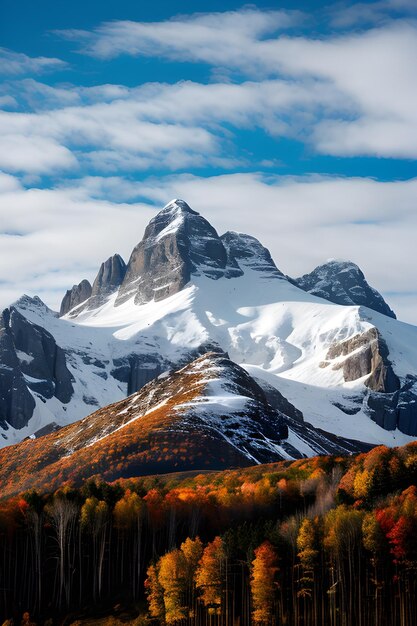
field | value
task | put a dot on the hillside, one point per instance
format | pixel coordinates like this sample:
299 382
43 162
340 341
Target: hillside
208 415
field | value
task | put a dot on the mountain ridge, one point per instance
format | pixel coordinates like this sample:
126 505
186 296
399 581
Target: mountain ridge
336 364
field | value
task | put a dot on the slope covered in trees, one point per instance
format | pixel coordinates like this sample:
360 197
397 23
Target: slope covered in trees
328 540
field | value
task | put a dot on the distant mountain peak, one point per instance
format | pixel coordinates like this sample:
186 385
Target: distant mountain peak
343 282
31 302
75 296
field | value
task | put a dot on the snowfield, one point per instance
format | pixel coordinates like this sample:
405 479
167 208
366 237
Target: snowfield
276 331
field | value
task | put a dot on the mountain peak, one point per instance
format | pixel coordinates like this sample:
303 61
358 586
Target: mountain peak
31 302
343 282
176 205
75 296
178 243
248 252
109 278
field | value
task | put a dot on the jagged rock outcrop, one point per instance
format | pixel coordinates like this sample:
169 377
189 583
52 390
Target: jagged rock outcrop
136 370
16 401
75 296
109 278
178 242
245 251
390 403
30 361
343 282
366 355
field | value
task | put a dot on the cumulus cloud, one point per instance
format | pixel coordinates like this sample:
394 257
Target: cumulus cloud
104 136
71 229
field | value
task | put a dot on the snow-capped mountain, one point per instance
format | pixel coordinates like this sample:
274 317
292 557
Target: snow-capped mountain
346 369
210 414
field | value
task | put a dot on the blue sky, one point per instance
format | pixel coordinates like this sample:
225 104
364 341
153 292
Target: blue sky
295 122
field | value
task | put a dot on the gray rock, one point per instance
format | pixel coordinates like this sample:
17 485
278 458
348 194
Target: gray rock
16 401
107 281
30 361
178 243
390 402
245 251
44 359
383 409
280 402
75 296
342 282
137 370
397 410
367 355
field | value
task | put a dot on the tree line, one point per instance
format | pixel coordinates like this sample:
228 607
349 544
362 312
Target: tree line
329 540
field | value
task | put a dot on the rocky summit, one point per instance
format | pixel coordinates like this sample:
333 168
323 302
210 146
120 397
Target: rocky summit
343 282
323 352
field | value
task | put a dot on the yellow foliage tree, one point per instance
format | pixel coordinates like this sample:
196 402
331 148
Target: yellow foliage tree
263 583
209 575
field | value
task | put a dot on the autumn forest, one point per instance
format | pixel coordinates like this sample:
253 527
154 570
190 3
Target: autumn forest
326 540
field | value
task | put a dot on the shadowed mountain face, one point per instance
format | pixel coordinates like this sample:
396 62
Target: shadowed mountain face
345 369
342 282
30 363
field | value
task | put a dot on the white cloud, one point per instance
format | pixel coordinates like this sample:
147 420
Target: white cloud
105 136
303 221
372 71
207 36
16 63
348 95
172 126
34 154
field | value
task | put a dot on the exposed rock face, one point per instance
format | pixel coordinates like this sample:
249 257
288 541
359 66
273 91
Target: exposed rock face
110 276
178 242
30 361
137 370
342 282
367 354
75 296
390 403
16 401
247 252
107 281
